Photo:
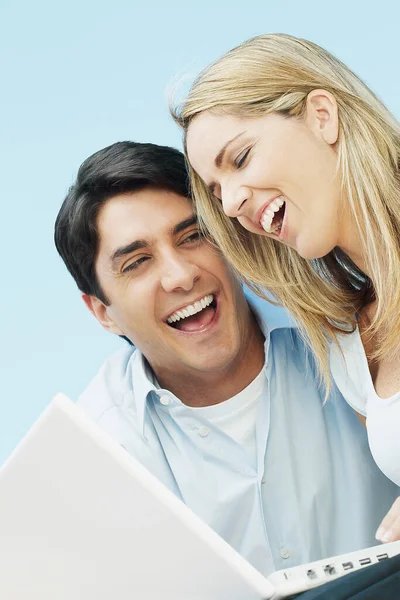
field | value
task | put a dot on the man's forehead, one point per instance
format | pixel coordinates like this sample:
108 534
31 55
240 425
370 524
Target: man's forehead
146 215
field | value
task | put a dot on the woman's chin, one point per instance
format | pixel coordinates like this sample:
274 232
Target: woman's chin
309 249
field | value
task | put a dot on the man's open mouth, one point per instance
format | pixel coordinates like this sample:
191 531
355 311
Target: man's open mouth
196 316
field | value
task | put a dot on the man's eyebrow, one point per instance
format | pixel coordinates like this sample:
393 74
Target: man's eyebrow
128 249
220 157
139 244
185 224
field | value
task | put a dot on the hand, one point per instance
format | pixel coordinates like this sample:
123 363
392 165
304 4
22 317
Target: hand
389 529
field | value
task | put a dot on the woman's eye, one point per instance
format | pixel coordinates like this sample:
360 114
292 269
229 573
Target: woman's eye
135 264
239 162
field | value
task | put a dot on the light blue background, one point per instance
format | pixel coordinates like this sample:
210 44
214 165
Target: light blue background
79 75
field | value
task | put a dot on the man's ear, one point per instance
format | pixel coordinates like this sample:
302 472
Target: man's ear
322 115
102 313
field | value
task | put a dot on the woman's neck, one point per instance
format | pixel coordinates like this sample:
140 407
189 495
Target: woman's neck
350 242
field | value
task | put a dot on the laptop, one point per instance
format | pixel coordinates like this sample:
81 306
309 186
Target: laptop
80 518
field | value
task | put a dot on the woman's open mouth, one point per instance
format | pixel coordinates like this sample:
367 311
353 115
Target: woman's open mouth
194 317
272 217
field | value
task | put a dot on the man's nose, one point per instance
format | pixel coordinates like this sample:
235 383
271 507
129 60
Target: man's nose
179 273
234 201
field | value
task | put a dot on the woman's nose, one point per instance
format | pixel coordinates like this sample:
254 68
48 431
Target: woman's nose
234 201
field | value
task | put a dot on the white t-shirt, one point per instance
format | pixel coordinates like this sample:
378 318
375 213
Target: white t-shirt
352 376
237 416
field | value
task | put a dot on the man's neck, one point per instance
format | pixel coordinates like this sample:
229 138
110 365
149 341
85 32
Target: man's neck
206 388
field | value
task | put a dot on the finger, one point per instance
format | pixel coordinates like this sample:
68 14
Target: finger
393 533
388 521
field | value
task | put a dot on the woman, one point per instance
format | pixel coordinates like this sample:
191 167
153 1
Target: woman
301 155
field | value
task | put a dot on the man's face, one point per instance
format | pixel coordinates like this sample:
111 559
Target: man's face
156 269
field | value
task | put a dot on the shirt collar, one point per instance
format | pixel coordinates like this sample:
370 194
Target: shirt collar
142 386
142 380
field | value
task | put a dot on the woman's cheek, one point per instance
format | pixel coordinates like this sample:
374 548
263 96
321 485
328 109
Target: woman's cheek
250 225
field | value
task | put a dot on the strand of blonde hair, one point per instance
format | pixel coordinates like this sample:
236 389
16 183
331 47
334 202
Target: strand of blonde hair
274 74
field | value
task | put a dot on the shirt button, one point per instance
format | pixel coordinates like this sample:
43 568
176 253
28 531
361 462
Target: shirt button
203 431
263 480
165 400
284 553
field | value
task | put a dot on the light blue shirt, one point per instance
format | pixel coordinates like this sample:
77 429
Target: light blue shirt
315 490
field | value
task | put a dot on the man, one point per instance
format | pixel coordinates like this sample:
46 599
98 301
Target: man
224 411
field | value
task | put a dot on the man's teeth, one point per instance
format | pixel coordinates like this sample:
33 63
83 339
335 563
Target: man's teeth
268 216
191 309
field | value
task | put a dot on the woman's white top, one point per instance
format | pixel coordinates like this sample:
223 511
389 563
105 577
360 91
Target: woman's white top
351 374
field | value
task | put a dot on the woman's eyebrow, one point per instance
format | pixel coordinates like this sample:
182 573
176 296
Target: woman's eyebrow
220 156
219 159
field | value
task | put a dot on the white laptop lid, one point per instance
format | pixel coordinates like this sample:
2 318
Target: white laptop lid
81 519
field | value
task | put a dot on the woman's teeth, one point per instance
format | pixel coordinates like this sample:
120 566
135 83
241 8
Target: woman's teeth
269 214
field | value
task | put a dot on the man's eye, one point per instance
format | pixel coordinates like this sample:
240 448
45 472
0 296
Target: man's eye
239 162
193 237
135 264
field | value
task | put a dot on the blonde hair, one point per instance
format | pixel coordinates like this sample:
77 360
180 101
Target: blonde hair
274 74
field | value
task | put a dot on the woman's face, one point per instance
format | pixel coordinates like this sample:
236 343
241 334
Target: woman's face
276 175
